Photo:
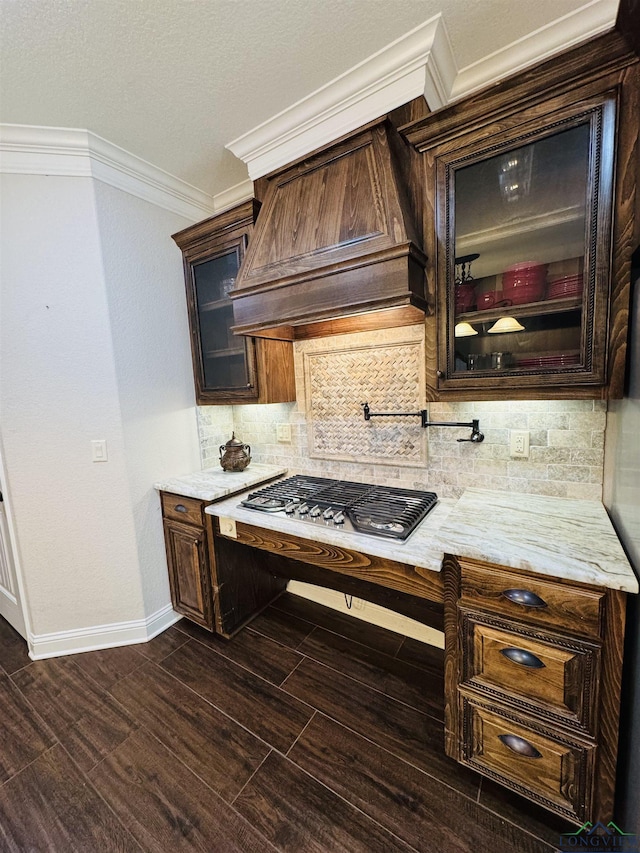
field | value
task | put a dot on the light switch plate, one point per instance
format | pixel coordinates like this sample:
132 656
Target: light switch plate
99 450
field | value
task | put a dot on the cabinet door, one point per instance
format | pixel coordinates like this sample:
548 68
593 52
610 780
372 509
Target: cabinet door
225 365
524 219
189 576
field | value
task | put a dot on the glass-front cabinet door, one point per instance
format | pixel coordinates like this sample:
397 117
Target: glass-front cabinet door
524 220
224 364
224 357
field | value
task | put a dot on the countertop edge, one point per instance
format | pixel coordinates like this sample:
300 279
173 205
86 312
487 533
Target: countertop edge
209 485
489 538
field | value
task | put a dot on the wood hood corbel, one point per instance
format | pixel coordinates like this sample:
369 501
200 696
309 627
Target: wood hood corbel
337 245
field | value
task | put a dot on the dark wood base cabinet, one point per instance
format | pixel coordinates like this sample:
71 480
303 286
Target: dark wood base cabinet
215 582
187 558
532 684
533 663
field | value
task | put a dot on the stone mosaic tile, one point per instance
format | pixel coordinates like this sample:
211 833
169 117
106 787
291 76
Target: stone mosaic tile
566 436
389 374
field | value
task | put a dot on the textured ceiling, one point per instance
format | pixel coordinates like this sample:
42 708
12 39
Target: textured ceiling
173 81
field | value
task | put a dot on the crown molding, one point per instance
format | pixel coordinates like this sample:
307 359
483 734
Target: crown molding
95 637
73 152
592 19
419 63
233 196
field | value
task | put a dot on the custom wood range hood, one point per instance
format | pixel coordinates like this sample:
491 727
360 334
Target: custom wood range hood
338 243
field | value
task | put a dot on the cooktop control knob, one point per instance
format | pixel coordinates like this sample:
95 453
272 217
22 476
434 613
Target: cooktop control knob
328 513
315 511
303 509
338 518
290 508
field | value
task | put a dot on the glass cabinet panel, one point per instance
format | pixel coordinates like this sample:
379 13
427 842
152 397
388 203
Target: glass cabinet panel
224 355
527 223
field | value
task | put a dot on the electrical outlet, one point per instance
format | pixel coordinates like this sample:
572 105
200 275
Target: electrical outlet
519 443
283 432
228 527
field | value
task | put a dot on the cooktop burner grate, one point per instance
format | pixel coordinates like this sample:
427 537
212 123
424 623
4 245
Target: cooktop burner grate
377 510
391 512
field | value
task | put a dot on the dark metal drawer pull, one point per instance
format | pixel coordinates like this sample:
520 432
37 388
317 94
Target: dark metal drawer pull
520 746
524 597
180 508
523 657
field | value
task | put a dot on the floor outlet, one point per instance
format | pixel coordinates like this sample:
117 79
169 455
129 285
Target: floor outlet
519 443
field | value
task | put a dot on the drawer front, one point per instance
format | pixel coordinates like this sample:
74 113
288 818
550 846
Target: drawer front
546 675
551 770
533 600
178 508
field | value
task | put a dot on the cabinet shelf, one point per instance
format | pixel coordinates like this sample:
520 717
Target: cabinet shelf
230 352
216 304
529 309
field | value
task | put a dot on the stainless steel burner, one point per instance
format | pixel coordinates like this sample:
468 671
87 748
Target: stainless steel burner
376 510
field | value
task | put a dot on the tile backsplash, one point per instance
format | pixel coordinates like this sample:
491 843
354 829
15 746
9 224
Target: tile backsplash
566 436
335 375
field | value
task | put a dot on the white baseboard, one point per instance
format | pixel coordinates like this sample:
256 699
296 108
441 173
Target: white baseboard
101 636
368 612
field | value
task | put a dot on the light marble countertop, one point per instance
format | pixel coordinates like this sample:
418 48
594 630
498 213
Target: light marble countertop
562 538
211 484
417 550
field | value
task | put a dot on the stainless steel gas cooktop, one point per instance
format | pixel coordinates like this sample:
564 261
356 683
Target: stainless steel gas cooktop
357 507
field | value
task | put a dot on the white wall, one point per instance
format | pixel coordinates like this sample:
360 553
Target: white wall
150 334
91 350
59 391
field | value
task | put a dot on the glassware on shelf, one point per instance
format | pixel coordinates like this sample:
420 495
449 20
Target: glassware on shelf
465 293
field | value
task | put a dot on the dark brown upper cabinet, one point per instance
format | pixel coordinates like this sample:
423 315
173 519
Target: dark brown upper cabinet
336 237
531 221
525 224
228 368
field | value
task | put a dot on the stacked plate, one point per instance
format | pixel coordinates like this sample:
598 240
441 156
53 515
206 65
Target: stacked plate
524 282
565 287
552 359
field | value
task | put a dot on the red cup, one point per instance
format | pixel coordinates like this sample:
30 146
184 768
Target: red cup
465 297
488 299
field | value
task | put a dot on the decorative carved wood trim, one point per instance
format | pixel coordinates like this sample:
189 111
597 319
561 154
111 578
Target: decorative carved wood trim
399 576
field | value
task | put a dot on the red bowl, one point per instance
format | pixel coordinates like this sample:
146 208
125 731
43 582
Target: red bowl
566 279
524 277
526 267
519 294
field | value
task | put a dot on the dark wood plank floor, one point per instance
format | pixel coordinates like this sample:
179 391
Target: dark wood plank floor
310 732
